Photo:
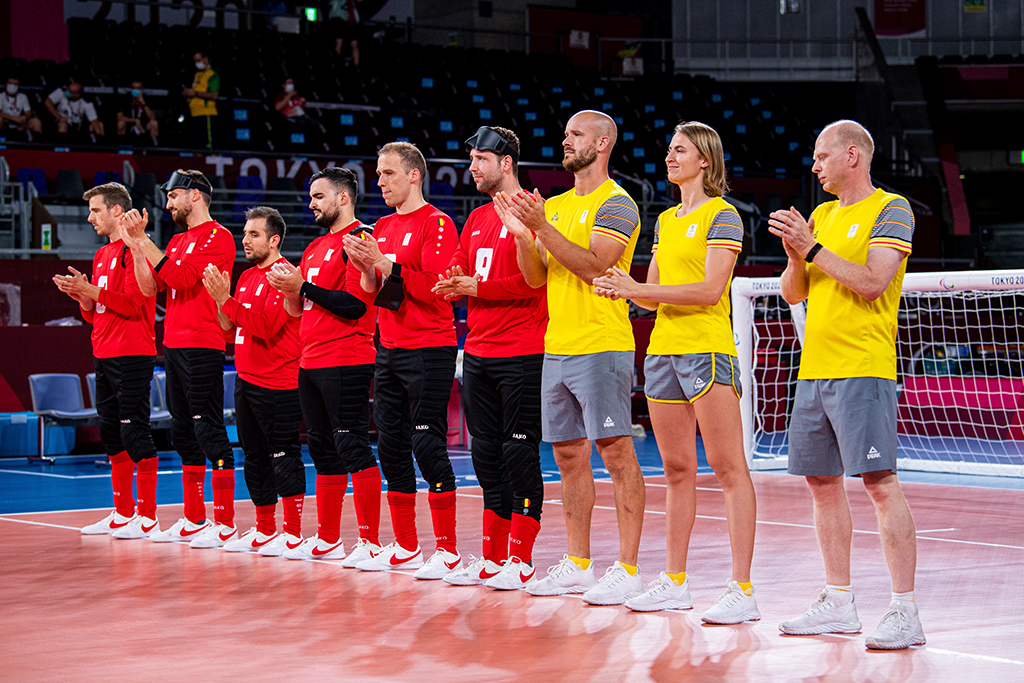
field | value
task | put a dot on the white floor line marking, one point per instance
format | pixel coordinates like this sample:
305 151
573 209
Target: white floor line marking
935 531
26 521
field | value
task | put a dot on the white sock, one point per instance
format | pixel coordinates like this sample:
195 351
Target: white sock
843 595
903 597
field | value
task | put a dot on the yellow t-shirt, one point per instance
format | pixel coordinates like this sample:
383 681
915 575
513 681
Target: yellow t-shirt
579 321
204 81
846 335
681 246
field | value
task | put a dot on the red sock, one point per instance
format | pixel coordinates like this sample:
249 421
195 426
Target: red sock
121 471
145 483
521 539
330 497
495 537
403 518
224 497
442 512
366 487
265 522
192 479
293 514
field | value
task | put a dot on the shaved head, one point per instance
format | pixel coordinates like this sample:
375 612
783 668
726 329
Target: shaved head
846 133
600 123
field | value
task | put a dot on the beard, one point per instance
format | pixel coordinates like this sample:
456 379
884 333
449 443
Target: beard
327 218
180 215
255 256
580 160
487 185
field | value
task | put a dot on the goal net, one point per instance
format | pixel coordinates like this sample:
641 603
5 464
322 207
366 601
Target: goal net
960 371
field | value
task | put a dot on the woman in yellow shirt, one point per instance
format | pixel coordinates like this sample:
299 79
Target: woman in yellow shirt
691 371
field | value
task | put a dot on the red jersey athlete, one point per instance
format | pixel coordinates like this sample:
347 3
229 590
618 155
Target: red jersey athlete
267 387
124 346
501 371
193 353
416 360
336 370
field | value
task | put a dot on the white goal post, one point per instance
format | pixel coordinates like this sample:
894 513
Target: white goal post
960 370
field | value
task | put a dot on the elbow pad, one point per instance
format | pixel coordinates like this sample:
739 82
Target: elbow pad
392 292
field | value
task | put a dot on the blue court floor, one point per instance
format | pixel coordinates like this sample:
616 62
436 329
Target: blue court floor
83 482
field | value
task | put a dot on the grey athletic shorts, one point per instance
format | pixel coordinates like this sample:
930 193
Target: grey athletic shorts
686 377
843 425
586 396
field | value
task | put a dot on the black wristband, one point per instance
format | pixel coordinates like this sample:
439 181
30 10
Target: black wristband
160 265
813 252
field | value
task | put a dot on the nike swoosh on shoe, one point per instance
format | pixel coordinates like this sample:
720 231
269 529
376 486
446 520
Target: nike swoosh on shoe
316 552
395 557
225 538
484 574
115 525
453 565
147 530
185 532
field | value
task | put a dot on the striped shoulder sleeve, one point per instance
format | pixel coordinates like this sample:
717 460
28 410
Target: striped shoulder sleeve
617 218
726 231
894 226
657 235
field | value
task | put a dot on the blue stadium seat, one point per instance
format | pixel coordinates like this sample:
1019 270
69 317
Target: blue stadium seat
35 176
57 400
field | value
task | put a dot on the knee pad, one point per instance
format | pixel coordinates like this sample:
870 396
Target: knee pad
138 441
354 450
289 474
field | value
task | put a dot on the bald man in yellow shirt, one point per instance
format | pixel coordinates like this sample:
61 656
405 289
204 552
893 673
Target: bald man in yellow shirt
565 243
848 262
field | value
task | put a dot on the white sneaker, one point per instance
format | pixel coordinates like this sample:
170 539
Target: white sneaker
315 549
564 577
391 557
182 530
139 527
479 570
514 574
281 544
440 564
615 587
824 616
662 593
215 536
249 542
107 525
734 607
900 628
363 550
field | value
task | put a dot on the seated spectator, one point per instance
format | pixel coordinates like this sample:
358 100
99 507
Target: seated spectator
15 111
136 117
289 104
74 115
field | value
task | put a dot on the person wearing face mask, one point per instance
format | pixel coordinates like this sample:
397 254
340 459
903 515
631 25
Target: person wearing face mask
202 102
289 104
137 117
15 111
73 113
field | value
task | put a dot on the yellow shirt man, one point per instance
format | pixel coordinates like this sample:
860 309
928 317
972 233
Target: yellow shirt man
846 335
579 321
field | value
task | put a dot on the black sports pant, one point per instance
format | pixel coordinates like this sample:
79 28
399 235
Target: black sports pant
502 401
195 397
123 405
411 389
268 429
336 404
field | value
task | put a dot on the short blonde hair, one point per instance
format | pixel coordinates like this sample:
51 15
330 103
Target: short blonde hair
709 146
410 155
849 133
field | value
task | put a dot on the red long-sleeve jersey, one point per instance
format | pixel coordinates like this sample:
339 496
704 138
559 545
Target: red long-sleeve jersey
191 320
267 344
507 317
329 340
122 318
422 242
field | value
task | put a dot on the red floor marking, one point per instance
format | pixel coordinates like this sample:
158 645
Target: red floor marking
90 608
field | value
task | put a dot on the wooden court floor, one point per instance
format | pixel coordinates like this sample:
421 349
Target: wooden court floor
77 608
